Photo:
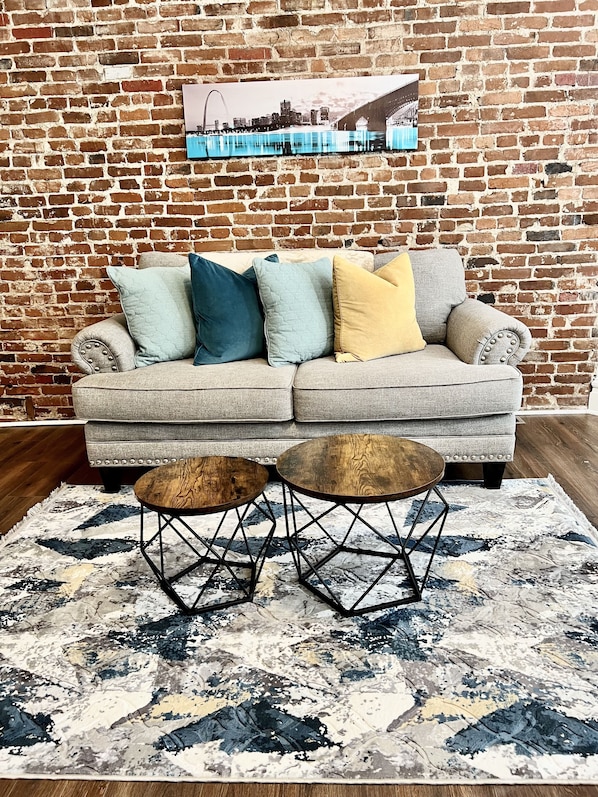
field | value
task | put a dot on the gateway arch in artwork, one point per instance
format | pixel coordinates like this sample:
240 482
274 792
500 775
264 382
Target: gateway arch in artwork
205 108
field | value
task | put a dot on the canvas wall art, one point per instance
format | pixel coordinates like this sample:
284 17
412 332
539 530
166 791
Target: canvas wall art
301 117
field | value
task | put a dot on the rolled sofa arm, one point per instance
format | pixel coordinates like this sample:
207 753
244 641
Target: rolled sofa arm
104 346
480 334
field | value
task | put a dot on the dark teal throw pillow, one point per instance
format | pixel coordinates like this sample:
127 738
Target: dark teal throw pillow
227 311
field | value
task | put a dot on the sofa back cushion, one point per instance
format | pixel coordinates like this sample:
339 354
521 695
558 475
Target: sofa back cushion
438 275
439 286
163 259
241 261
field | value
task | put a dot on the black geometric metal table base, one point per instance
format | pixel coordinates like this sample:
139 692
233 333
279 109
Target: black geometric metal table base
356 567
214 568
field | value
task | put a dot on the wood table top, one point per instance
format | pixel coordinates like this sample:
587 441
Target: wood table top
201 485
363 468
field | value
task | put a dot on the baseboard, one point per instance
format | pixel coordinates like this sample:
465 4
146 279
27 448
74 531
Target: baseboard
572 411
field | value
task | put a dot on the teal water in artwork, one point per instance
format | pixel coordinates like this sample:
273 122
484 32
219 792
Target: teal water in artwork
299 142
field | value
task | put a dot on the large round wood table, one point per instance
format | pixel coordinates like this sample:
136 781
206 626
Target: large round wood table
217 562
351 546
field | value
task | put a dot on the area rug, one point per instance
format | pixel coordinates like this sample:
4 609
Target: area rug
491 677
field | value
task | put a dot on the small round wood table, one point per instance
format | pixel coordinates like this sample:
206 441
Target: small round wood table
218 563
354 564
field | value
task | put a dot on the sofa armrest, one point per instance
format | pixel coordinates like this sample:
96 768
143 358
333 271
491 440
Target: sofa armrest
480 334
104 346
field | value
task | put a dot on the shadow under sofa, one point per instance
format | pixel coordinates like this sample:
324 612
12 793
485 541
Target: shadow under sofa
459 395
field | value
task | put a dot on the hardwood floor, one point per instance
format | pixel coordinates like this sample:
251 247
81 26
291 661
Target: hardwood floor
35 460
65 788
565 446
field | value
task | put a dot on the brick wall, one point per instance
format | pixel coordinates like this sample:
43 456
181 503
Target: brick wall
94 169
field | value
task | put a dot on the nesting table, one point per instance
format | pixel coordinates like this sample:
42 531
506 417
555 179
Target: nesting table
351 545
218 566
364 560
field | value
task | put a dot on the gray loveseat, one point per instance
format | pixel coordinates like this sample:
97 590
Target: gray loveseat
459 394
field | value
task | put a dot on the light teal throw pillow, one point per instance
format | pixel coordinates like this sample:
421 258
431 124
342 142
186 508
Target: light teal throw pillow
297 303
157 305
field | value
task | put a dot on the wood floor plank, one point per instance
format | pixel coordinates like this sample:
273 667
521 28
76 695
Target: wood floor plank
98 788
52 788
565 446
40 458
13 509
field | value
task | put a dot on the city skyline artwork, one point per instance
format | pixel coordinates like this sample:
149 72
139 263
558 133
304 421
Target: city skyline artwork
295 117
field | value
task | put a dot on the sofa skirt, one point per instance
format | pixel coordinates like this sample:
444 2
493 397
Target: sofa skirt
484 439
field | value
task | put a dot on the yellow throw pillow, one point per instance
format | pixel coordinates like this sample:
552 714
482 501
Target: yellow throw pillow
374 313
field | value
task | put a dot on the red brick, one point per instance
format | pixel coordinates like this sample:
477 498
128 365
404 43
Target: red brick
32 33
249 54
142 85
508 8
116 174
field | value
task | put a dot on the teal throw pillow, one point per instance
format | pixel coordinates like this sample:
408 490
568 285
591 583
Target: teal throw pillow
157 305
298 314
227 311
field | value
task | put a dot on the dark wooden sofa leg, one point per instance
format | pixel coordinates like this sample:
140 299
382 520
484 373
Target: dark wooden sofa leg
111 479
493 473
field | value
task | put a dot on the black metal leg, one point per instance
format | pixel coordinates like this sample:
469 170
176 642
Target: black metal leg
205 570
493 473
111 479
318 553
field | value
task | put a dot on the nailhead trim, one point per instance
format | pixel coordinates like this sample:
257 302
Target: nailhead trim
98 463
512 340
98 356
479 458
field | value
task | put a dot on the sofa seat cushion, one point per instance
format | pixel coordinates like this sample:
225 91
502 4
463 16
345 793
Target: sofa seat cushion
431 383
177 392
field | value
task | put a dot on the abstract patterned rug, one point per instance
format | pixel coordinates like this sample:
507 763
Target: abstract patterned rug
491 677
